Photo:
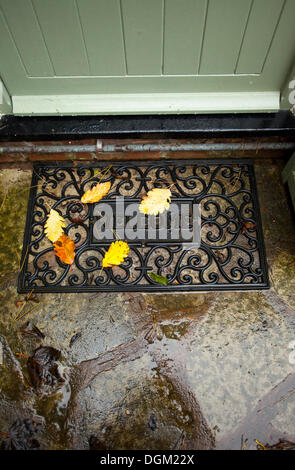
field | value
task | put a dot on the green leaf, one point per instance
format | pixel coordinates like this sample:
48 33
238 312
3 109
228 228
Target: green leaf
160 279
96 172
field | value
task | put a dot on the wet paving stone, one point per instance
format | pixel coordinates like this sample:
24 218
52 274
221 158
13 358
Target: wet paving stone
154 371
151 412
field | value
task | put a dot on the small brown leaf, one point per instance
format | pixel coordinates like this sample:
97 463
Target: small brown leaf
115 175
247 225
220 256
32 298
31 330
74 338
42 367
77 220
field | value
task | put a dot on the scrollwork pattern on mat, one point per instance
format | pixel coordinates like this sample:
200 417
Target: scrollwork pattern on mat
231 251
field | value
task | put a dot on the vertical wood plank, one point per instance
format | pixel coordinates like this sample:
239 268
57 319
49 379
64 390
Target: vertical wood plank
258 35
101 22
142 24
183 36
26 32
63 34
225 25
280 56
5 100
12 69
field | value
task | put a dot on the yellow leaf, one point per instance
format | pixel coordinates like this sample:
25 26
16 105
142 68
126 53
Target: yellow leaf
96 193
54 225
156 201
115 254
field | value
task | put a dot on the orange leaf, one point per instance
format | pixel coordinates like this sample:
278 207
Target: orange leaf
64 248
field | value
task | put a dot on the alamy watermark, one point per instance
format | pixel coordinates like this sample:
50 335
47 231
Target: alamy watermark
122 220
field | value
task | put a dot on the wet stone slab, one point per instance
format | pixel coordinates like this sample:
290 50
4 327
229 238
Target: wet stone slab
153 370
151 412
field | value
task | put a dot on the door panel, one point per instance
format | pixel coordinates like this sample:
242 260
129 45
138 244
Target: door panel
103 36
175 52
182 37
254 50
142 25
224 28
63 35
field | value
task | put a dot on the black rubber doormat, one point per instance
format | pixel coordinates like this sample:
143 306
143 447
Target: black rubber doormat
166 251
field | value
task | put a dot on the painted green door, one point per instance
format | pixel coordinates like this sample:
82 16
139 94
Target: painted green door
145 56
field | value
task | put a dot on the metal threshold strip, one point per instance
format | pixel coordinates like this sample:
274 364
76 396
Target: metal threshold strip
140 147
230 254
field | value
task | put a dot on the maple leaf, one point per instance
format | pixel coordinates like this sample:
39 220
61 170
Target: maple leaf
115 254
54 225
96 193
64 248
156 201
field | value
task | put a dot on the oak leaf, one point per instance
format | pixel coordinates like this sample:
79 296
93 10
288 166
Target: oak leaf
96 193
156 201
116 253
54 225
64 248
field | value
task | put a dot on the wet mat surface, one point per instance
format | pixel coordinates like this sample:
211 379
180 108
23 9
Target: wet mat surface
231 255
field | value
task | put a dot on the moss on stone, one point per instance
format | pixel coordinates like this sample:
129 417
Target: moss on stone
14 199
